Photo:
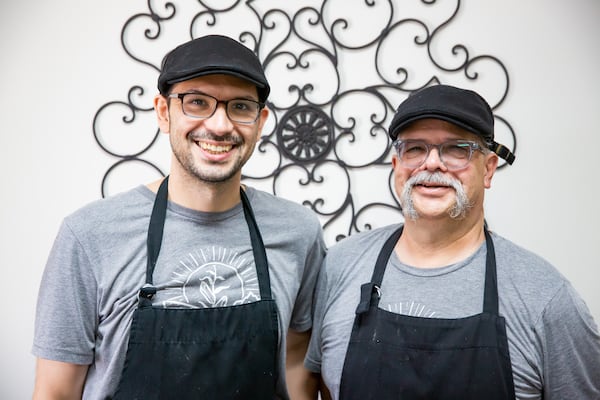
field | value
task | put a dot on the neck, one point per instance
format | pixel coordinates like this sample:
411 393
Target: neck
192 193
434 243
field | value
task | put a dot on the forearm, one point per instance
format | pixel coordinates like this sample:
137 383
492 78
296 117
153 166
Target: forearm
323 391
301 383
55 380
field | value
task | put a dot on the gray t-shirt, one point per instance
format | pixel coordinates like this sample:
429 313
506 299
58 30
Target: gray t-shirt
553 340
98 263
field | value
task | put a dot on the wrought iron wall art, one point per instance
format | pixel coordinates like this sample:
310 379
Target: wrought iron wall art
338 69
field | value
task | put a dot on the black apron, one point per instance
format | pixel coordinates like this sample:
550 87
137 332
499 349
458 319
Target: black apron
394 356
208 353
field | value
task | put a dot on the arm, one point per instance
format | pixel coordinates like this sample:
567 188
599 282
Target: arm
301 383
57 380
323 391
570 348
66 320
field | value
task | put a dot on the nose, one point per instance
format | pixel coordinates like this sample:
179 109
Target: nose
433 162
219 122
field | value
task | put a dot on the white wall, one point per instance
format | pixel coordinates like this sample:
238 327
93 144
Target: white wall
61 60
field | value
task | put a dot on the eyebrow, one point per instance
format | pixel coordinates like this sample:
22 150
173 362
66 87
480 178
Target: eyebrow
241 97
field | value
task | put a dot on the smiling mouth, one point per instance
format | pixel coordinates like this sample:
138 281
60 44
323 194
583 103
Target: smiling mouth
431 185
214 148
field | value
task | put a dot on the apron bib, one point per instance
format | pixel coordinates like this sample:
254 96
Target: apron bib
209 353
394 356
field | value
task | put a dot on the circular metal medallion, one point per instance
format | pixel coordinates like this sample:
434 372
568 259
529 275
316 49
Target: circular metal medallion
305 133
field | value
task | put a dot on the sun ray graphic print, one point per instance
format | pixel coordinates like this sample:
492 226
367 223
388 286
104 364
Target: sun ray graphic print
212 277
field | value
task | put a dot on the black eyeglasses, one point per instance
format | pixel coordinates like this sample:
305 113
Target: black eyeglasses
455 154
200 105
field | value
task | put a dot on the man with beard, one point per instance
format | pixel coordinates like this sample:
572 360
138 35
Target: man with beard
190 287
440 307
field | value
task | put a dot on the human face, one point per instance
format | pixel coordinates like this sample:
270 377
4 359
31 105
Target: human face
214 149
431 190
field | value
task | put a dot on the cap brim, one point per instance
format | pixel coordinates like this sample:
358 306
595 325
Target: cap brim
433 115
216 71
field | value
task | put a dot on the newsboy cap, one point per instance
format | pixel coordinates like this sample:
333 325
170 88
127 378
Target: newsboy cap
212 54
461 107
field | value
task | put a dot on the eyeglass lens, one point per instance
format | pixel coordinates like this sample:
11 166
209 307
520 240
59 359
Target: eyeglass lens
203 106
454 154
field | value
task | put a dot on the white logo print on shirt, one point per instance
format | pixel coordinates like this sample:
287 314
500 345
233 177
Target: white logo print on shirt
212 277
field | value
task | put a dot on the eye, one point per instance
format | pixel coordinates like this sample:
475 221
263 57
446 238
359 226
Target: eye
243 106
239 105
458 150
197 101
414 149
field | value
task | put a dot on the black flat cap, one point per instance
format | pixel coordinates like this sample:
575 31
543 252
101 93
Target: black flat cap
212 54
461 107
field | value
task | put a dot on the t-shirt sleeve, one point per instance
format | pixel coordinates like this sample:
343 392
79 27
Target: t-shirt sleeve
301 320
312 361
570 348
66 305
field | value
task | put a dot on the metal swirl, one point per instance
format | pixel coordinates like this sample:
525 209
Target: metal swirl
337 73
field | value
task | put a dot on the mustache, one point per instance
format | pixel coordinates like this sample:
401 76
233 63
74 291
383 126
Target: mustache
436 177
204 135
460 208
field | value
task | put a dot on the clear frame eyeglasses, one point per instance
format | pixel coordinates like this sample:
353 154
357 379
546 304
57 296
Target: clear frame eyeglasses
454 154
203 106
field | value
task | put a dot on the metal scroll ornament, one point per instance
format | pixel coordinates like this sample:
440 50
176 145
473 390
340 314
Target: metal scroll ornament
338 69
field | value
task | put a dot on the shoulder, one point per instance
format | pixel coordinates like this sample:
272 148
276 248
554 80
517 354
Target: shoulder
371 240
550 329
523 263
353 258
270 208
286 225
101 214
526 280
261 200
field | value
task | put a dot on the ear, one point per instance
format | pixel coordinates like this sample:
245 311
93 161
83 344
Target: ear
491 164
161 107
262 119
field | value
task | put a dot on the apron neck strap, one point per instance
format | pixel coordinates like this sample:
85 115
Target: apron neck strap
156 227
490 294
370 292
155 235
258 249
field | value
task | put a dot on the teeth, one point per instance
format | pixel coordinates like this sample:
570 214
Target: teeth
215 148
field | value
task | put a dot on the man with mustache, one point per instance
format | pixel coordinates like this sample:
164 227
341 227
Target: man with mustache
190 287
440 307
